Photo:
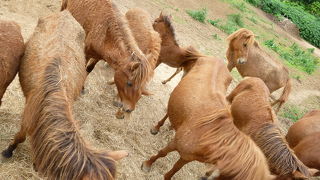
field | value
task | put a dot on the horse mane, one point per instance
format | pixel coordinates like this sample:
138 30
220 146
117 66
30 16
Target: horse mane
59 152
167 21
281 158
154 48
243 34
234 153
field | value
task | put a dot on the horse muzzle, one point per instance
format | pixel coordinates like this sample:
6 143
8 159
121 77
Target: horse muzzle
242 61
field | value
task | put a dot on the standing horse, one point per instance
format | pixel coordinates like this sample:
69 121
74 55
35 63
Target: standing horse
52 74
12 49
253 115
199 113
110 38
245 54
304 137
171 53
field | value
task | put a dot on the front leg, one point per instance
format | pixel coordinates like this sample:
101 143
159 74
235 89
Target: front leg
169 79
177 166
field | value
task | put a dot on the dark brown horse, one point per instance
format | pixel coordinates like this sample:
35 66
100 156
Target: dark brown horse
198 112
245 54
12 49
110 38
52 74
171 53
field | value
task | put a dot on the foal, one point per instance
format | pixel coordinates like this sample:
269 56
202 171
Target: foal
199 114
253 115
171 53
52 74
110 38
12 49
245 54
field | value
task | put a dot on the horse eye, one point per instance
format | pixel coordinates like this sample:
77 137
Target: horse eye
129 83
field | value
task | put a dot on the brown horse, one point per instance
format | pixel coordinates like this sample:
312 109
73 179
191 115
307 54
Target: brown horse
12 49
171 53
199 113
308 124
245 54
110 38
253 115
52 74
304 137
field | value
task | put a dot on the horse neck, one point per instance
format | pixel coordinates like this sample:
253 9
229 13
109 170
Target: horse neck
280 156
56 141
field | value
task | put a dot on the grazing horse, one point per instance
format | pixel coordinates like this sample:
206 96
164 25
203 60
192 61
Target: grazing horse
171 53
12 49
245 54
52 74
304 137
253 115
205 132
109 37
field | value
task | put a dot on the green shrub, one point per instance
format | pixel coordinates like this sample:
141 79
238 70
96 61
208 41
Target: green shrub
295 56
214 22
199 15
314 8
254 2
236 18
293 112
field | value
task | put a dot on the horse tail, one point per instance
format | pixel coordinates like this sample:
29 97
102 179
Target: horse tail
59 151
281 158
64 5
284 96
192 54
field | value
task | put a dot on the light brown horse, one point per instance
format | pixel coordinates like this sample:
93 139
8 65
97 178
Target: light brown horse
245 54
171 53
12 49
110 38
199 114
308 124
52 74
304 137
253 115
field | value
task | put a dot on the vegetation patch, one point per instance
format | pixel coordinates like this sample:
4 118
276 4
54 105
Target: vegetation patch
199 15
293 112
216 37
296 56
233 23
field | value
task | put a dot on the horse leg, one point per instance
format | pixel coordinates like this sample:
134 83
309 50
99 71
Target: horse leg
91 64
146 165
208 175
20 137
156 128
169 79
177 166
2 90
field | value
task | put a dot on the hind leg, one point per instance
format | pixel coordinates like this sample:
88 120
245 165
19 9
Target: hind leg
156 128
146 165
177 166
169 79
20 137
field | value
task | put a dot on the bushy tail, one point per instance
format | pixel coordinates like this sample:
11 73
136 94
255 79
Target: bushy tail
59 152
281 158
192 54
284 96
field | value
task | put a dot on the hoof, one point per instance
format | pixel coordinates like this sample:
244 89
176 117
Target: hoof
164 82
120 115
145 167
154 131
6 153
117 104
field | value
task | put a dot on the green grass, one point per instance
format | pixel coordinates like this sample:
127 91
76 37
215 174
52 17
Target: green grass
233 23
214 22
293 112
296 56
216 37
253 19
199 15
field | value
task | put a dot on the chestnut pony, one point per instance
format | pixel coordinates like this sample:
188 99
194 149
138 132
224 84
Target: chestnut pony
110 38
205 132
253 115
304 137
171 53
52 74
245 54
12 49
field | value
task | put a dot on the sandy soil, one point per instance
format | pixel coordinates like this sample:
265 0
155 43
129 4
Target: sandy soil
94 110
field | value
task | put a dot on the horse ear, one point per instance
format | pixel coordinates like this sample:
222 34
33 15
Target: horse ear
298 175
134 66
118 155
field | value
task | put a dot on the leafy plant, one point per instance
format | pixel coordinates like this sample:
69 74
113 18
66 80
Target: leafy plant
295 56
199 15
293 112
214 22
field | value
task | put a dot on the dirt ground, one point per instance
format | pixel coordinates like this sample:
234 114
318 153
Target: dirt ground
94 110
